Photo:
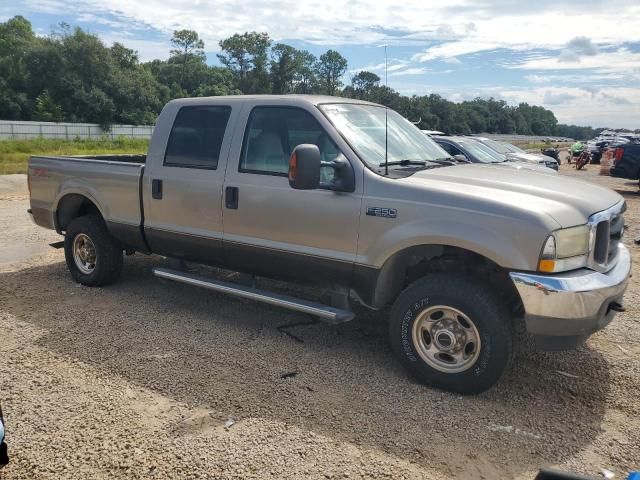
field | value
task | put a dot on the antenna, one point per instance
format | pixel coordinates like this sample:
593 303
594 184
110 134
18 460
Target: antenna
386 70
386 129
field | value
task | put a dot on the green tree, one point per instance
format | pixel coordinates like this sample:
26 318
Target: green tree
16 39
363 84
330 68
286 63
187 50
71 75
246 55
305 80
46 109
124 57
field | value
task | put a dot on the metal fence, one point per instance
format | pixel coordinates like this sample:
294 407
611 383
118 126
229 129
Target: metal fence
17 130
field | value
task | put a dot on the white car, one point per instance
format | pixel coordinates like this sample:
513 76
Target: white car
514 153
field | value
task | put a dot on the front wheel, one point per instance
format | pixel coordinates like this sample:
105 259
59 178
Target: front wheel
93 256
452 332
581 162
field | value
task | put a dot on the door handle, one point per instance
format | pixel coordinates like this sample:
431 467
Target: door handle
156 189
231 198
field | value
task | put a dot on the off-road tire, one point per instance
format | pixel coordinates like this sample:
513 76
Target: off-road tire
483 307
108 264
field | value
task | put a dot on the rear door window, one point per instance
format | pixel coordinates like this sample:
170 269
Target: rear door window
196 137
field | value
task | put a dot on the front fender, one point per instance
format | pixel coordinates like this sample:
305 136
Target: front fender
507 242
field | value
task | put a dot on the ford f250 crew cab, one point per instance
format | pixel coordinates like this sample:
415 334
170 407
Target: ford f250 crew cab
350 197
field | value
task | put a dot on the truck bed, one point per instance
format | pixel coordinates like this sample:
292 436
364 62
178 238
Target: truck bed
111 182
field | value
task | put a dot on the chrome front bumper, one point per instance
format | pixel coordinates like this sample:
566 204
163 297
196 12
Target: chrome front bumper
571 305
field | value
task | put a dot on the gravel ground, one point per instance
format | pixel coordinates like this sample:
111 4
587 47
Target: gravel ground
137 380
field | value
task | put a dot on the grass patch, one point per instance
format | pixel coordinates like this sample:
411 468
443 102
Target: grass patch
14 154
539 145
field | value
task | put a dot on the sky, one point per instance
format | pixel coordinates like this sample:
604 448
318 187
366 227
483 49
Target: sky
578 58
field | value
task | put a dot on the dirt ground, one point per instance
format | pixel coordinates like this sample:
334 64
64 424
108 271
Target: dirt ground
137 380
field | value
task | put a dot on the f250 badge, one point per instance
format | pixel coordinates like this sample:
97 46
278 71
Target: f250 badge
382 212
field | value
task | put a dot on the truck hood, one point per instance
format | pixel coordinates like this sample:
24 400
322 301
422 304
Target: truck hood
567 200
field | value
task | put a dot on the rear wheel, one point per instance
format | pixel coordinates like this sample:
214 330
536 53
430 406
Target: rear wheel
93 256
452 332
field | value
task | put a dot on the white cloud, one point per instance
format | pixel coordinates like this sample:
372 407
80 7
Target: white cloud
453 49
580 106
409 71
537 78
465 25
543 34
452 60
612 107
147 49
555 98
613 61
576 48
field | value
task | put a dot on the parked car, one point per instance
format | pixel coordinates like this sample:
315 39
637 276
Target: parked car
552 152
514 153
476 152
549 159
4 455
625 161
433 133
597 149
351 197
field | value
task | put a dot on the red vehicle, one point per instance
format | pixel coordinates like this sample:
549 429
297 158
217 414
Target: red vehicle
625 161
583 159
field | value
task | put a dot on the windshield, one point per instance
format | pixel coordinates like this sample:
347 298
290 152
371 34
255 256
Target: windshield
363 126
498 147
482 152
512 148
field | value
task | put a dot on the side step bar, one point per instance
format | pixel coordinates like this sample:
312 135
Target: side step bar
324 312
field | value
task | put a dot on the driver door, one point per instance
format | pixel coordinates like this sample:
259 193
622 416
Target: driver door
273 230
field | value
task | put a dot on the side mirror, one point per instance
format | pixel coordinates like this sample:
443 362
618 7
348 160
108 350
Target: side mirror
304 167
460 158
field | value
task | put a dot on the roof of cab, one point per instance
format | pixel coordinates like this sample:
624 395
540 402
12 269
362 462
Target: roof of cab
285 99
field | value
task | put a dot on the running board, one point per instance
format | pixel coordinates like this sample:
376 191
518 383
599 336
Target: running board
324 312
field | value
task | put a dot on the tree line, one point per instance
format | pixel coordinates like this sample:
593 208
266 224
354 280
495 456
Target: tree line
71 75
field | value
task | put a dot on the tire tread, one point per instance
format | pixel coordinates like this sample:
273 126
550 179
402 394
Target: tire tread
109 263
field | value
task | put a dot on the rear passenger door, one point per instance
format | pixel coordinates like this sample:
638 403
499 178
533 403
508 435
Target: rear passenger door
183 182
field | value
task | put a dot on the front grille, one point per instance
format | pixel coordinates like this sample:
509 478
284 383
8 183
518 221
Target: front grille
607 229
616 229
601 247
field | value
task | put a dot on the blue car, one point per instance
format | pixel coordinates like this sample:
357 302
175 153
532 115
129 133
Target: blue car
4 456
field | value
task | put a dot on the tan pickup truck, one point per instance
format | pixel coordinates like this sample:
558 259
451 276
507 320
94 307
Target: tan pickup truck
351 197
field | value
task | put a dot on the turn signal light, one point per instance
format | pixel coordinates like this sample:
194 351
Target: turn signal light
293 166
548 266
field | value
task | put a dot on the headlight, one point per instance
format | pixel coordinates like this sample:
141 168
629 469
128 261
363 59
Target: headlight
565 249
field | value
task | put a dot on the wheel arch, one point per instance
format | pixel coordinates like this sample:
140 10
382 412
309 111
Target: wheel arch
377 288
73 205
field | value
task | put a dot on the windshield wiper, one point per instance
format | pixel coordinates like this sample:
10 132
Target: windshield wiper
422 163
403 163
447 161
